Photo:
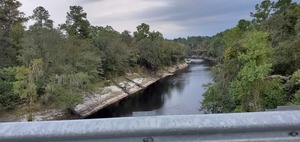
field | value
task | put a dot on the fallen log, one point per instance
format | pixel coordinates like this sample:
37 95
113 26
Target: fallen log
286 78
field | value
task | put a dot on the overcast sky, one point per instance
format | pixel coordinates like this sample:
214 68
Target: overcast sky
173 18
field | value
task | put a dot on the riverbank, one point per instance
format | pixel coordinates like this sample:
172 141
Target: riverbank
114 93
121 88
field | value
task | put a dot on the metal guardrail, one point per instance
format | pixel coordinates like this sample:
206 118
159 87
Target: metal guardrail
259 126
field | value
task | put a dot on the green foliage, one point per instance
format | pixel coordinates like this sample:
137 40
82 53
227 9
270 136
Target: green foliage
10 15
156 54
11 20
231 37
8 100
60 55
115 53
45 44
116 58
172 52
257 95
254 74
121 53
274 94
77 24
296 77
218 93
293 87
297 98
227 44
244 25
286 55
148 55
263 11
200 45
216 101
216 46
81 56
241 84
250 90
257 46
59 96
281 25
142 31
21 85
58 67
41 16
282 6
16 35
26 79
126 37
65 91
75 60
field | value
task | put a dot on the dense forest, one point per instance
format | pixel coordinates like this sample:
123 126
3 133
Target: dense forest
258 61
46 66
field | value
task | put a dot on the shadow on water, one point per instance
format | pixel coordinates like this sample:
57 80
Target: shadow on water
177 94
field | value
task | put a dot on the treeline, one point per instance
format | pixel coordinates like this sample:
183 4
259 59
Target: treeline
51 66
198 46
259 61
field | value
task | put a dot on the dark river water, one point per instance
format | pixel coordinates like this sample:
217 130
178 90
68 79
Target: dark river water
174 95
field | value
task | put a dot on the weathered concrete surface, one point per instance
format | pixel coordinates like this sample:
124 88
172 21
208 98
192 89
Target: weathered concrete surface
113 94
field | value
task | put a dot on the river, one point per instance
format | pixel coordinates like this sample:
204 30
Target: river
174 95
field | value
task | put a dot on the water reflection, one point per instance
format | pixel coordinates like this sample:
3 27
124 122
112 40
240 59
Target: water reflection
178 94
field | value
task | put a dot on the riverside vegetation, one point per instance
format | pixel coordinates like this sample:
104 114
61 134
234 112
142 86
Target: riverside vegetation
258 61
45 67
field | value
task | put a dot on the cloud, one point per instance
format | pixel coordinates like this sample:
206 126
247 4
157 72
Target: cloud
121 14
201 17
173 18
87 1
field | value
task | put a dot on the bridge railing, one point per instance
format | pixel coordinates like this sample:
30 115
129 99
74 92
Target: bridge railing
259 126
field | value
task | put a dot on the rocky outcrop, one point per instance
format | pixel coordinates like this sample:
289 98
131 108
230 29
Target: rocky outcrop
114 93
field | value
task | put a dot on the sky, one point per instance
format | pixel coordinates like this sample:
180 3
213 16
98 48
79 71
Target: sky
173 18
